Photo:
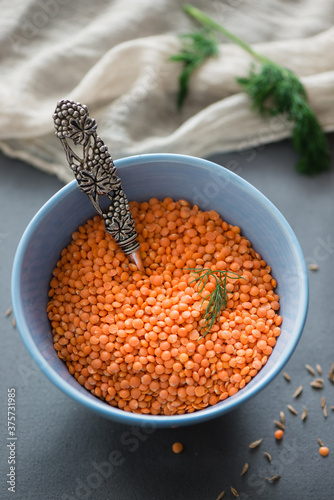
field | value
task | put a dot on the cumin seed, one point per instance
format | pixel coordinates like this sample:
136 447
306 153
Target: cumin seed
279 425
220 496
287 376
323 401
298 391
325 411
244 469
234 492
14 322
310 369
268 456
318 368
8 312
255 444
304 414
292 410
317 383
320 442
313 267
282 417
331 373
273 478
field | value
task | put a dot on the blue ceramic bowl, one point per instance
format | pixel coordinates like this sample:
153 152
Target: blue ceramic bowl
201 182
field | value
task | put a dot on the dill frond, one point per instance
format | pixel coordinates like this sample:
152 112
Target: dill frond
196 48
273 90
214 301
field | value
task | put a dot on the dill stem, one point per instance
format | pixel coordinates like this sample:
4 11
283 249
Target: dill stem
207 21
216 300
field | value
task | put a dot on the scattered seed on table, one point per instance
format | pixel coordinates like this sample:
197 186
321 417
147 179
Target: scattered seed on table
282 417
287 376
320 442
244 469
319 369
298 391
279 425
331 373
313 267
274 478
255 444
220 496
323 401
310 370
234 492
14 322
325 411
292 410
324 451
8 312
304 414
177 447
317 383
268 456
279 434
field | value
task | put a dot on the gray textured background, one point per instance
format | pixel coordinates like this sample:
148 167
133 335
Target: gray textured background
64 451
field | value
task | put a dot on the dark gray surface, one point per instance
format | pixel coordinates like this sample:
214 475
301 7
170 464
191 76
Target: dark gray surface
63 451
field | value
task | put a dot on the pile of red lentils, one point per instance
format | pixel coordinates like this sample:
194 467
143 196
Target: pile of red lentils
135 340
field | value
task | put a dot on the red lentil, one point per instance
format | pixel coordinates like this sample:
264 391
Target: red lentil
324 451
279 434
134 340
177 447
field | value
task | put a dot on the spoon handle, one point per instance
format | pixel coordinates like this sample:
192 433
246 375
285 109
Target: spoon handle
95 173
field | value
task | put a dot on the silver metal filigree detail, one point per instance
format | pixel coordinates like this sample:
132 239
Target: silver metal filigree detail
95 172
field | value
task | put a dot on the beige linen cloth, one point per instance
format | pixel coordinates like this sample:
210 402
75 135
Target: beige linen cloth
114 57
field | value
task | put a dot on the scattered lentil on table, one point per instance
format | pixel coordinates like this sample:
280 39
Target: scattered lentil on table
324 451
177 447
279 434
134 340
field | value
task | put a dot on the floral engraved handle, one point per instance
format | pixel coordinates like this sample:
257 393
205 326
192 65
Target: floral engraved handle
95 172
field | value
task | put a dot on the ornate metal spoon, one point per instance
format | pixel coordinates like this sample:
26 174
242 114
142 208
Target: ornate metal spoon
96 175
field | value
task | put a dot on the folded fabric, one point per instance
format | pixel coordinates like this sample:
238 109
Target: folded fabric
115 58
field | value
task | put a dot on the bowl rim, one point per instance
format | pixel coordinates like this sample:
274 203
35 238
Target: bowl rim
100 407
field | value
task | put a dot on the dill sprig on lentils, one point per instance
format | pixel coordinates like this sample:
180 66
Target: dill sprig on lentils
214 302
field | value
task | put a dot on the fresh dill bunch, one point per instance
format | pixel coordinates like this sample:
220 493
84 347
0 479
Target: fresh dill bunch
196 48
216 300
274 90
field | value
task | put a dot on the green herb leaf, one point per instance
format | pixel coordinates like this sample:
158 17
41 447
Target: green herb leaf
273 89
196 48
217 299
